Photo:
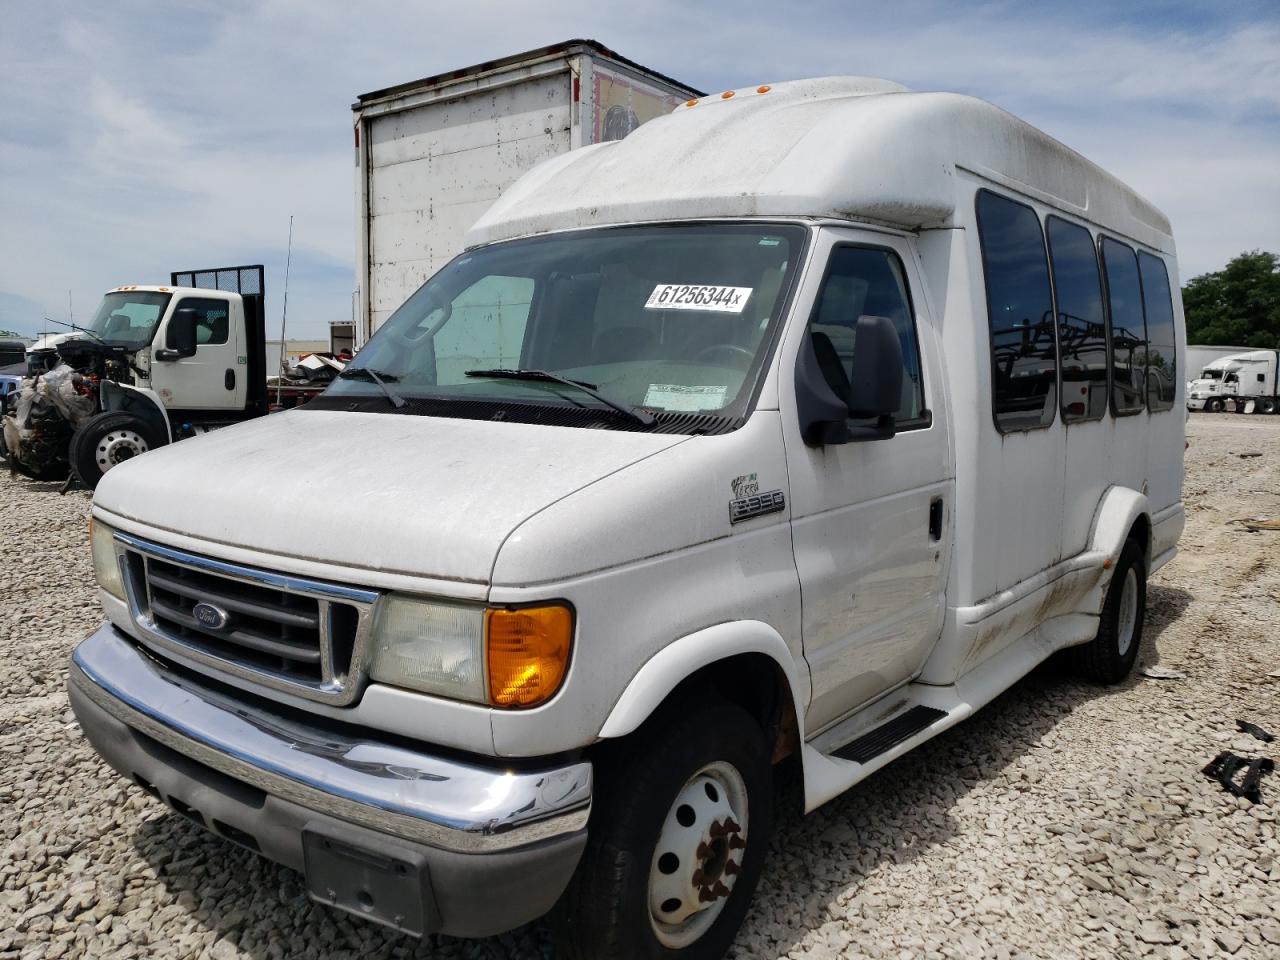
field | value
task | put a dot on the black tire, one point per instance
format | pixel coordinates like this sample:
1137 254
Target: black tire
606 911
1214 405
1268 405
1105 658
88 461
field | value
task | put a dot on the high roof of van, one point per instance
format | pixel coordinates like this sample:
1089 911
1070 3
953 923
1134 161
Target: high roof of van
849 148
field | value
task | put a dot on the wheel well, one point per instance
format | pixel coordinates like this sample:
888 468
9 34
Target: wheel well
1141 533
753 681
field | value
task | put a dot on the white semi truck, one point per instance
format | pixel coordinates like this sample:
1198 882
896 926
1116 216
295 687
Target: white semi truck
1241 383
433 154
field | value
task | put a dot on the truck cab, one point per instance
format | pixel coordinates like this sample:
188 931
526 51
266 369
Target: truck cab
782 435
154 365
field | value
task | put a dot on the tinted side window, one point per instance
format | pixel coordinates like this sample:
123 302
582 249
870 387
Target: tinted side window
861 282
1082 321
1161 363
1128 328
1024 356
212 324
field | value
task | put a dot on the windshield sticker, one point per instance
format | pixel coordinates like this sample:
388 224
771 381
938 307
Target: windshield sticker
677 396
684 296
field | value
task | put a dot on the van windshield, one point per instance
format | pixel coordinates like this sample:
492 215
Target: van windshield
664 319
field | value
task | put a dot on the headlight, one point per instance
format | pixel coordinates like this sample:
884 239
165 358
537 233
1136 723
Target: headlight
514 657
433 647
106 567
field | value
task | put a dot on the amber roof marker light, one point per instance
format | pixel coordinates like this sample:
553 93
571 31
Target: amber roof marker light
764 88
726 95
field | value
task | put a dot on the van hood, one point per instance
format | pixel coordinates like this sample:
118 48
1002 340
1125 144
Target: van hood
422 496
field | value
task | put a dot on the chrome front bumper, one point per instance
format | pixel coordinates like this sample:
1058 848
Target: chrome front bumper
407 793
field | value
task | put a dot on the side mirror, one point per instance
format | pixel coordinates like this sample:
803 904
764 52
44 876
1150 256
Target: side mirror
181 336
875 388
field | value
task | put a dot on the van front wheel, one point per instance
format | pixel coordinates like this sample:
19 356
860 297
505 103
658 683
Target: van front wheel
1110 655
676 842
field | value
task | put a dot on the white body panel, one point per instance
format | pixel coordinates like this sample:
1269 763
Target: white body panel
846 589
216 377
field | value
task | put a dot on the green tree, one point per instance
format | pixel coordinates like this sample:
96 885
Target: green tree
1237 305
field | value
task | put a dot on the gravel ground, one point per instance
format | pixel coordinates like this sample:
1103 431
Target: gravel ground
1062 821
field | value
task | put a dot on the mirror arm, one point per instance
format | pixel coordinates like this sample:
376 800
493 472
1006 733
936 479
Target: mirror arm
883 429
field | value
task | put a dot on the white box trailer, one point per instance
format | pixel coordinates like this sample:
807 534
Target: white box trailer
433 154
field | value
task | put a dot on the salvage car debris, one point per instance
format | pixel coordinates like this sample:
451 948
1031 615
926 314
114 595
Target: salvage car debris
1226 766
1254 731
1163 673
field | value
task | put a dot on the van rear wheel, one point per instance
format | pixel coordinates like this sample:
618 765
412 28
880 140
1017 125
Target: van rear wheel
676 842
1110 655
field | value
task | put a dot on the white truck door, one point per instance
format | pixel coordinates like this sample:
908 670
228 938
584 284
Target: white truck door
871 519
213 379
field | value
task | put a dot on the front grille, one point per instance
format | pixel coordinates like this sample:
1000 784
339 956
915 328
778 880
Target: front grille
285 632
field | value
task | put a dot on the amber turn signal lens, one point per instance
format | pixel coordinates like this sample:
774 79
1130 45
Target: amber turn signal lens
528 653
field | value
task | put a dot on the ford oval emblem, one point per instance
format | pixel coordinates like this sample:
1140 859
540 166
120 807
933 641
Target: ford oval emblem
207 615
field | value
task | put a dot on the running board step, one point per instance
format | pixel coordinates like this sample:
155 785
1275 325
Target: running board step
888 735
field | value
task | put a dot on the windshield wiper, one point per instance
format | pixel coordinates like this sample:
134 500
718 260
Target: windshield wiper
63 323
543 376
368 373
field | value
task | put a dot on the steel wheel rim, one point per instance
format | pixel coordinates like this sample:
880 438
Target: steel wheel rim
1127 616
117 446
699 853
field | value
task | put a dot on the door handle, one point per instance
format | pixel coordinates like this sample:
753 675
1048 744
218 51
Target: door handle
229 380
935 519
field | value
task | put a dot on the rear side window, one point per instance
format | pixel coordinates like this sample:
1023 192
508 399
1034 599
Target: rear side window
1024 357
1128 328
1161 362
866 281
1082 321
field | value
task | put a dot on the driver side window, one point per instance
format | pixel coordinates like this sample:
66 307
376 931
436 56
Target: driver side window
865 281
212 319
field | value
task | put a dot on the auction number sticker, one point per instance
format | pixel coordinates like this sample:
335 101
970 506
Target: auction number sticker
684 296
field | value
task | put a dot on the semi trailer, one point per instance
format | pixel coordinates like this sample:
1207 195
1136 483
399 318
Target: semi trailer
432 155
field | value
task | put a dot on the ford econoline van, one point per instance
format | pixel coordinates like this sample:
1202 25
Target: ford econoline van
781 435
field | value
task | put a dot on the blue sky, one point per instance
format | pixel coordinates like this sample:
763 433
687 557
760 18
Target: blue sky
139 137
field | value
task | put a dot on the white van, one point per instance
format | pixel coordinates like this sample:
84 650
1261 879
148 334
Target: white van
798 424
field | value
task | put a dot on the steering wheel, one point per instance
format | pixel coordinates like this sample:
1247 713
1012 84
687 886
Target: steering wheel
706 354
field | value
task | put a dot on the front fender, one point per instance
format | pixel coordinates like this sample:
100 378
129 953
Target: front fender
139 401
667 668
